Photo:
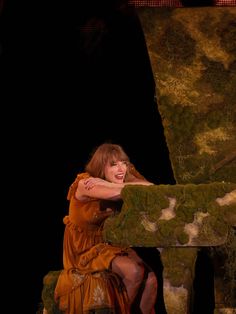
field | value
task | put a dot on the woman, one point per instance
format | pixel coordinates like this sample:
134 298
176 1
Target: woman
97 276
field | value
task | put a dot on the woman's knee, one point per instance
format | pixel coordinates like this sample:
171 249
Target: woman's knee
128 269
151 282
136 272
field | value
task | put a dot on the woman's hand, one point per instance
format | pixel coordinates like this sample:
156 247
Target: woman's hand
98 188
92 182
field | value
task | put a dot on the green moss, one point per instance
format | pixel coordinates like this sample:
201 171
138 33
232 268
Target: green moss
49 284
181 236
214 74
169 47
226 31
143 206
179 265
200 99
207 25
146 16
181 118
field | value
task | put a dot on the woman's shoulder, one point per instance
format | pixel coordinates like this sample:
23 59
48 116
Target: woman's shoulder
73 186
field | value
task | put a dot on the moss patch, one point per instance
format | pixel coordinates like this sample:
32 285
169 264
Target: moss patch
139 222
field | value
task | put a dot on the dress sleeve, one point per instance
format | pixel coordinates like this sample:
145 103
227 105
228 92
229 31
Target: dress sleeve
73 186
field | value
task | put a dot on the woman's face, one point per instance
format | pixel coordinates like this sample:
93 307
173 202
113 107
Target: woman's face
115 171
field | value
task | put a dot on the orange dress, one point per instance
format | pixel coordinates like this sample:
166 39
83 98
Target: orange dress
86 284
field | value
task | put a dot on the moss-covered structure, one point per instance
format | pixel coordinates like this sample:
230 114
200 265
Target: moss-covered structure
180 219
193 56
174 215
49 284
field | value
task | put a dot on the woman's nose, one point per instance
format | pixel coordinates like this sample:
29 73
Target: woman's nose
121 166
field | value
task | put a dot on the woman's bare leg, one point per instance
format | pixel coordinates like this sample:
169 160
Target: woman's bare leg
131 273
149 295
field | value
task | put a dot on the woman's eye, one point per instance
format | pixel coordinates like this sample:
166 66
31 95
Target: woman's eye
114 164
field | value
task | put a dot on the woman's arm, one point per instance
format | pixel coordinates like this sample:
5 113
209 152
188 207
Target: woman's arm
102 189
98 188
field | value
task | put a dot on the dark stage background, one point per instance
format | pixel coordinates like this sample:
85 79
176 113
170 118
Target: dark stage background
75 75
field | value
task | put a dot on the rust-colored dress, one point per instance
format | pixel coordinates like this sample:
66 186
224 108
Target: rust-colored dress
86 284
